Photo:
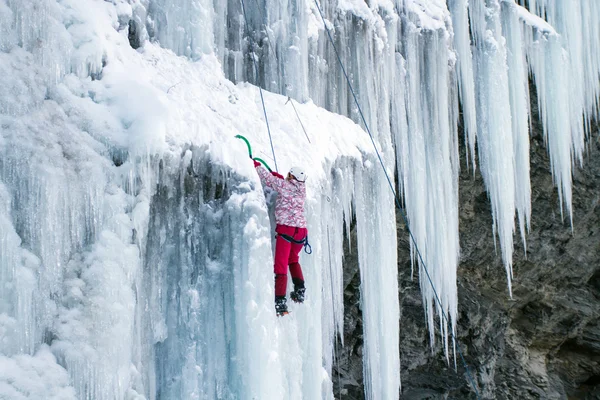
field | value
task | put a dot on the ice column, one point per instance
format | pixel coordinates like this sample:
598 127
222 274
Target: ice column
376 236
567 96
18 325
577 25
518 79
328 222
494 123
286 61
186 27
428 167
464 71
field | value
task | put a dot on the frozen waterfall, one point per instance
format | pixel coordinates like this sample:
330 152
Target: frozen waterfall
135 239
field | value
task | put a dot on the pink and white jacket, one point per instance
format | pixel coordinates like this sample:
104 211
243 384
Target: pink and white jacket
289 204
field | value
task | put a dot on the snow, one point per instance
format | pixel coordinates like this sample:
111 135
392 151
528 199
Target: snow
357 8
34 377
432 14
532 20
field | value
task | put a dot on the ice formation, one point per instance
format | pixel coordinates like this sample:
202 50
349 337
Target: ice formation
135 240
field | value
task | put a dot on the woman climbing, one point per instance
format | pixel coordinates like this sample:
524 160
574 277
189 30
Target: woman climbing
291 231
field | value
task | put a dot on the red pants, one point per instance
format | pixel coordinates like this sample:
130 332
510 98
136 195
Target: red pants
288 253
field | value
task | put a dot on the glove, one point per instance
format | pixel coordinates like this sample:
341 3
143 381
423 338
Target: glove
256 163
277 175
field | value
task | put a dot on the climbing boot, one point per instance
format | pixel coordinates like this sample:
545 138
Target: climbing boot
280 306
298 294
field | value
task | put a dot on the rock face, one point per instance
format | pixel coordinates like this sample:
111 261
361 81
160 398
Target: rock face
544 342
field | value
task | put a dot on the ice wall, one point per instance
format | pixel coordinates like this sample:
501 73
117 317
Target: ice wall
136 254
484 54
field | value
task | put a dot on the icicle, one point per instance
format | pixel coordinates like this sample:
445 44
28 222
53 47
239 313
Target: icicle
518 79
428 168
464 71
579 31
555 109
187 27
376 235
567 97
497 161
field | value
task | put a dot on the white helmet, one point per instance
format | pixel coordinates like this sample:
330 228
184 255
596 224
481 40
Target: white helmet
298 173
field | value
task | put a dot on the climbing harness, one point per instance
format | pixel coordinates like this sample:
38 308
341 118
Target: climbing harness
288 238
259 88
396 198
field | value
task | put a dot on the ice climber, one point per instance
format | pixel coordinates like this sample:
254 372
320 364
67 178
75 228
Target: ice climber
291 231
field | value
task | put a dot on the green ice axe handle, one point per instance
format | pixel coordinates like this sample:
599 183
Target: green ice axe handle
260 160
247 144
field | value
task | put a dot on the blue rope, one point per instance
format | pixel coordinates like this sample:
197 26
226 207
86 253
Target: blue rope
257 84
303 242
396 198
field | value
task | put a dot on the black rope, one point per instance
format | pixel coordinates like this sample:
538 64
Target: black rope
257 83
289 100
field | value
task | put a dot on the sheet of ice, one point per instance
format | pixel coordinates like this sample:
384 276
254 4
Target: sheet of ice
184 27
372 56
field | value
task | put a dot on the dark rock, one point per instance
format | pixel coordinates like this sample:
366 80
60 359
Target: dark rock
133 35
